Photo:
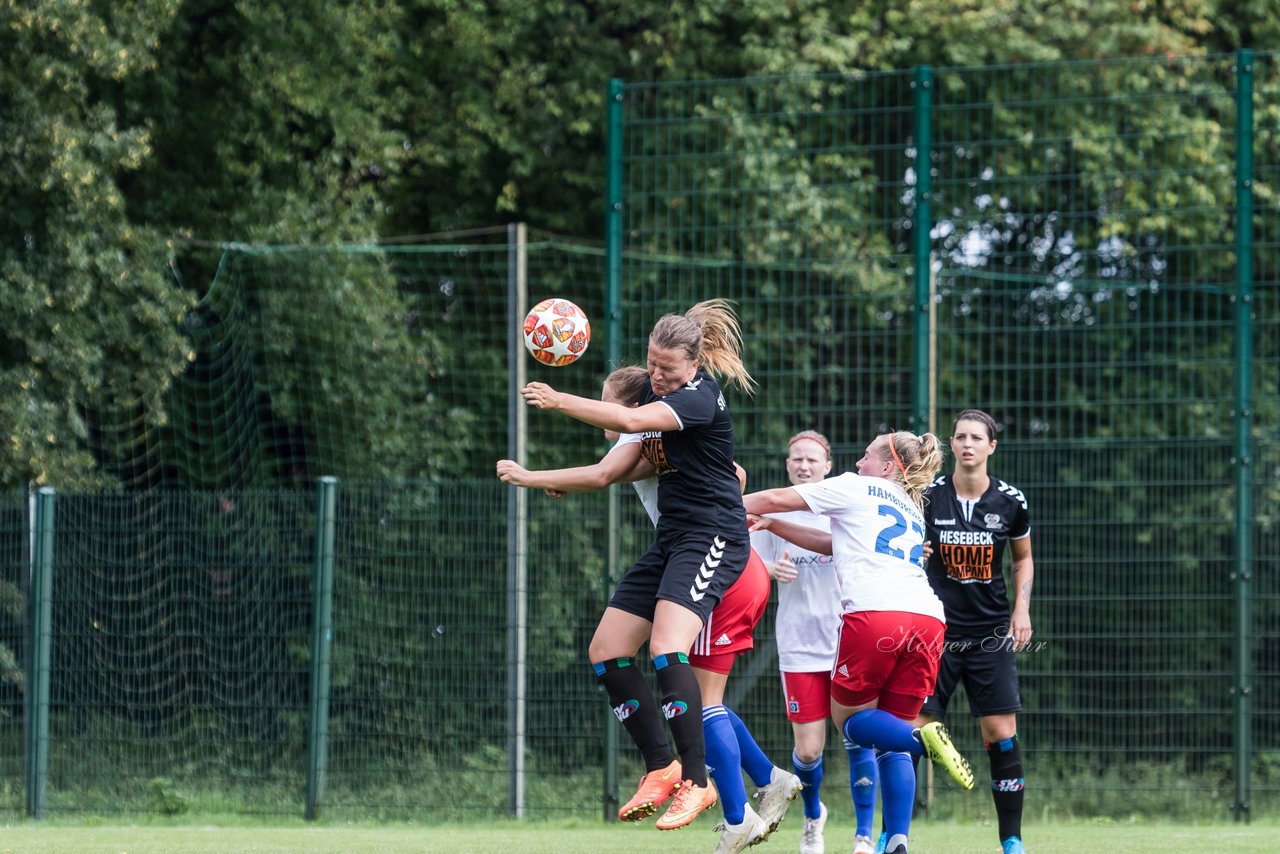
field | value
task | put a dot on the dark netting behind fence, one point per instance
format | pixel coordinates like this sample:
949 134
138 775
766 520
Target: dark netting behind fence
1059 244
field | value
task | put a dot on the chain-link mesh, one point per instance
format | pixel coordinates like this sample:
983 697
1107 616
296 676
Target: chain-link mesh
1081 280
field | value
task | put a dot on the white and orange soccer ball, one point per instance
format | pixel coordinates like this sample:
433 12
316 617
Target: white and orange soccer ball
556 332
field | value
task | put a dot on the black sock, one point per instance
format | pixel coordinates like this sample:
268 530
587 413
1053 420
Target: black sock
633 705
1007 785
918 804
682 706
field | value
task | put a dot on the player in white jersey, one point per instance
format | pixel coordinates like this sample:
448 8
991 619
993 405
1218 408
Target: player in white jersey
808 628
892 623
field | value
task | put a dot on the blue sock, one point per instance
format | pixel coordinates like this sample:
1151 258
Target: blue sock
898 780
754 762
811 776
725 762
883 731
864 777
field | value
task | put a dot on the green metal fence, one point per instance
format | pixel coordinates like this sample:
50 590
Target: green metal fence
14 539
1086 250
1090 255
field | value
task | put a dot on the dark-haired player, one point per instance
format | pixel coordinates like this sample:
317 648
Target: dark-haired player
972 517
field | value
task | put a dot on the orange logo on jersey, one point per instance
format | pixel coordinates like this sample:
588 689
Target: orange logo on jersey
967 564
652 450
967 555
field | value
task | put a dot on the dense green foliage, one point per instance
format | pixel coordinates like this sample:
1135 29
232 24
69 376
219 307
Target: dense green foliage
132 130
142 138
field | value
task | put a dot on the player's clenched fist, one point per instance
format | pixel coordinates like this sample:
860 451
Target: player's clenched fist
541 395
510 471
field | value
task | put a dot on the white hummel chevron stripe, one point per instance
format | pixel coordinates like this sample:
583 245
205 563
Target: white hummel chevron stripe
1013 491
707 571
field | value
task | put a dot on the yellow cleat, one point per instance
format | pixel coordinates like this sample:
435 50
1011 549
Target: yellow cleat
938 747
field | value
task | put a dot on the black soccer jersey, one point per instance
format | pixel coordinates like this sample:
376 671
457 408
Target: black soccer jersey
697 484
966 568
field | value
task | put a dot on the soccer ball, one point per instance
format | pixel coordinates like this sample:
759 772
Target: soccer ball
556 332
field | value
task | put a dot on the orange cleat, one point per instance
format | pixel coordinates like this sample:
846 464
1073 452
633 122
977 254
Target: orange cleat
655 789
690 801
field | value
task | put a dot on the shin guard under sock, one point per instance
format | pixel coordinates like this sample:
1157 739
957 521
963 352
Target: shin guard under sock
758 766
634 707
725 762
810 773
881 730
864 775
1007 784
898 780
682 707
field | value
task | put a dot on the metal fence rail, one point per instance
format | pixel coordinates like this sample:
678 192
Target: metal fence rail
1086 250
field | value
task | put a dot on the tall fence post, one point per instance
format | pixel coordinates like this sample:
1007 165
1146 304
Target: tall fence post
1244 527
922 298
921 258
321 644
613 303
38 674
517 524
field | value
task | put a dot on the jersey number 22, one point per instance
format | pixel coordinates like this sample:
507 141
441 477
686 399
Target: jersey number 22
884 542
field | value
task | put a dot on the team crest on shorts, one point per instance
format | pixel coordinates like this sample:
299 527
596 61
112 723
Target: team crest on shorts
793 706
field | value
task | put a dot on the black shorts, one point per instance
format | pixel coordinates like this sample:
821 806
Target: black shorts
690 568
988 671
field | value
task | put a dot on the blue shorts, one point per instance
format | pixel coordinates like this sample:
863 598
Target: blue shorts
690 568
988 671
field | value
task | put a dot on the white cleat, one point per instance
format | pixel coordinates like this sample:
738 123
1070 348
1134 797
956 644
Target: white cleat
776 797
811 841
735 838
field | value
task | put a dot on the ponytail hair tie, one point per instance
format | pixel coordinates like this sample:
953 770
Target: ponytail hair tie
897 459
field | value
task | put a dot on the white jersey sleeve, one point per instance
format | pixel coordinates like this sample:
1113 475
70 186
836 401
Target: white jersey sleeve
647 489
809 608
877 536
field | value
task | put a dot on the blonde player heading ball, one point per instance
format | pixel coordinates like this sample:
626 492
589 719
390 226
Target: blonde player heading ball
731 749
700 549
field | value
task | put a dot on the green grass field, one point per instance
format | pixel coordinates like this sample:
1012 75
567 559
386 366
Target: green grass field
587 838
